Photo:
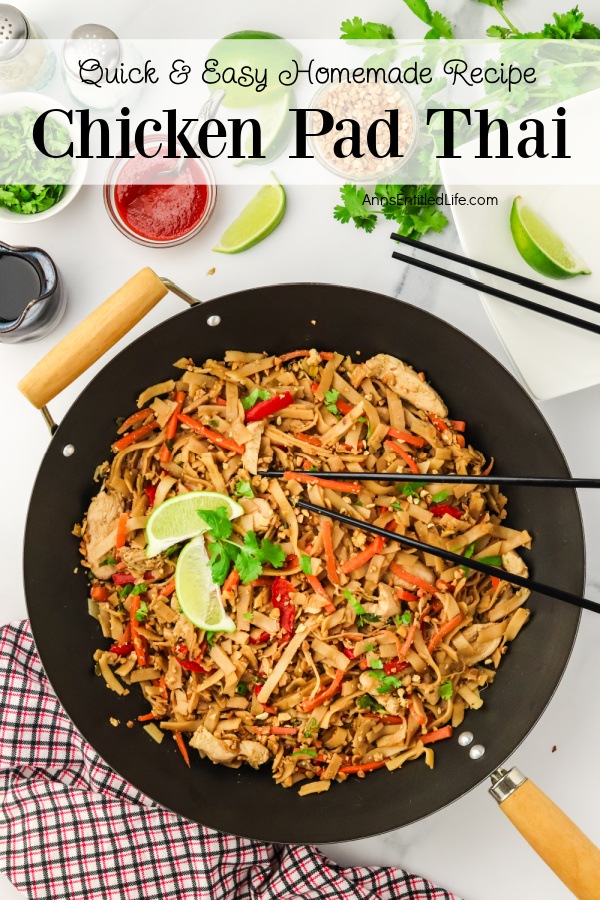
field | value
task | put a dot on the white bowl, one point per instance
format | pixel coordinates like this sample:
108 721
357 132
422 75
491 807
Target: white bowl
15 102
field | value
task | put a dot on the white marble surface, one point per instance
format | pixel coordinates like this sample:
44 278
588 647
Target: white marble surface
469 847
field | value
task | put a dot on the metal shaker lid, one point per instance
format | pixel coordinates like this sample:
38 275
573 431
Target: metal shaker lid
14 31
91 42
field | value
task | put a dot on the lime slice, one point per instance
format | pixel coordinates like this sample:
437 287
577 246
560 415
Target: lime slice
256 221
275 125
198 596
541 247
177 519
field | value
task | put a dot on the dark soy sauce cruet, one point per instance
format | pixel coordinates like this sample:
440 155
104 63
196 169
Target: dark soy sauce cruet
32 298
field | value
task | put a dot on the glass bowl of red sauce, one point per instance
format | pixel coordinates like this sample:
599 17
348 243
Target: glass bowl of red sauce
155 209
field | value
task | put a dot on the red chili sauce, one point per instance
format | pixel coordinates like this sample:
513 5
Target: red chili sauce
165 209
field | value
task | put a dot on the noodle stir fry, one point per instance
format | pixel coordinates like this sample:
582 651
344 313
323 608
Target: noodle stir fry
349 653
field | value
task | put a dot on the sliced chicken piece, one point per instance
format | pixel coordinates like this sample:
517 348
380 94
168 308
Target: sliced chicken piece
513 563
137 562
258 515
208 745
252 447
254 753
387 605
102 517
405 382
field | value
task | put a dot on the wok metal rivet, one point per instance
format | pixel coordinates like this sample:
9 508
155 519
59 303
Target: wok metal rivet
476 751
465 738
213 321
68 450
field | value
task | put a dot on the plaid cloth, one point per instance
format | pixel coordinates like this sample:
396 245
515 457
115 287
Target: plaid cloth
71 828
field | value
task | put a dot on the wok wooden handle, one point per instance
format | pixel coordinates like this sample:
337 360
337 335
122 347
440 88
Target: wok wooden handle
92 338
556 839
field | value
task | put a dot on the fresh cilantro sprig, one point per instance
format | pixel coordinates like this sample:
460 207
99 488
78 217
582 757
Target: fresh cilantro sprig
306 563
142 612
439 26
248 558
367 702
331 399
412 488
362 616
566 26
446 690
244 489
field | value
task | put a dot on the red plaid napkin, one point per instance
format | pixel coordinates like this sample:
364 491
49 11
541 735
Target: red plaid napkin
71 828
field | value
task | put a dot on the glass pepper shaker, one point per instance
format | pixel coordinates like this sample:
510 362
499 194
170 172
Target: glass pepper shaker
27 62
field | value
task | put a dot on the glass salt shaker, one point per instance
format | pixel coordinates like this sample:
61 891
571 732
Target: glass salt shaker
91 56
27 62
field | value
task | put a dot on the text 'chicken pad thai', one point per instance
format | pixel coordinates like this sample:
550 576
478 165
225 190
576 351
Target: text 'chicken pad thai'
343 653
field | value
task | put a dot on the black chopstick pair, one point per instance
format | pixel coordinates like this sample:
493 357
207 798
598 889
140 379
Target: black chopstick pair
405 477
521 280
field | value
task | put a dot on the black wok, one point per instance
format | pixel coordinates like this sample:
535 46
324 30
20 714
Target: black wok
502 421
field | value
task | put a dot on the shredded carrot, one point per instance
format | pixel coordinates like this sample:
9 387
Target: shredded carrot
355 562
307 465
294 354
439 423
126 639
439 735
392 445
412 579
99 593
121 530
135 436
443 631
232 581
418 716
182 747
213 436
333 689
332 572
161 683
343 407
413 439
385 720
495 582
489 467
139 643
171 429
220 401
409 639
310 439
275 729
460 440
362 767
168 589
401 594
458 425
138 416
346 487
326 354
261 582
147 718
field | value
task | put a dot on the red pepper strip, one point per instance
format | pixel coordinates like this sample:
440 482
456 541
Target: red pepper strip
269 407
123 578
399 572
332 572
191 665
261 582
326 354
333 689
458 425
349 652
356 562
232 581
392 445
443 510
121 530
361 767
161 683
135 436
220 401
310 439
281 591
346 487
307 465
168 589
150 491
439 423
171 429
495 582
405 595
213 436
99 593
125 637
269 709
146 718
413 439
182 748
343 407
440 735
443 631
421 719
386 720
139 644
121 649
275 729
394 666
320 590
263 638
363 664
138 416
181 649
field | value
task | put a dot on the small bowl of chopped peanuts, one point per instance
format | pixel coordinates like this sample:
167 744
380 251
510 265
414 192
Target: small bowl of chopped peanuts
364 104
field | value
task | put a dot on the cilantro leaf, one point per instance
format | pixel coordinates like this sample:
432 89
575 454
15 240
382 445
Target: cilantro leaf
305 751
331 399
142 611
367 702
253 398
404 619
242 688
376 664
439 26
368 619
220 558
271 553
352 209
218 522
312 726
357 30
412 488
244 489
248 566
306 563
439 498
446 690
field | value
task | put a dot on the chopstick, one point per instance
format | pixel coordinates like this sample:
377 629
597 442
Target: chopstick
497 292
405 477
450 556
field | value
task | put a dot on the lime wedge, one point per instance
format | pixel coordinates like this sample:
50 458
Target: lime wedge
198 596
256 221
541 247
275 126
177 519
